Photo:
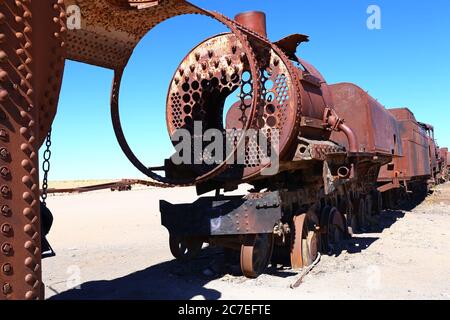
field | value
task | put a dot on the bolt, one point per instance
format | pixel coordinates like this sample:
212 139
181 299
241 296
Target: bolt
6 248
5 172
7 288
6 210
4 153
6 228
4 190
3 134
7 268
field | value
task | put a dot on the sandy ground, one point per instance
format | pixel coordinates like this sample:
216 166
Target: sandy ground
112 246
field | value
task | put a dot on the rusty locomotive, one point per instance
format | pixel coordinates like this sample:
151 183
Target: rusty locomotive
332 176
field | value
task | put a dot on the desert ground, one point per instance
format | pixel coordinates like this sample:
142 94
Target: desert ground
111 245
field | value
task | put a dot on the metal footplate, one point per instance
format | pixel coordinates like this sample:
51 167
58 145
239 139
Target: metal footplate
223 215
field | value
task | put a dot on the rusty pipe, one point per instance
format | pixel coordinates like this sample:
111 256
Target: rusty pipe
334 122
343 172
351 137
253 20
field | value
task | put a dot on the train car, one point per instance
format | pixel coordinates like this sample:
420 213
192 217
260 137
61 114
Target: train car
434 153
444 163
378 136
412 172
448 164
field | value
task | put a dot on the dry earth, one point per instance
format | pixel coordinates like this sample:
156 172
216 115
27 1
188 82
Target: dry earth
113 246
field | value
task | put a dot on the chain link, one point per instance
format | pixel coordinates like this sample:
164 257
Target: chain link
46 166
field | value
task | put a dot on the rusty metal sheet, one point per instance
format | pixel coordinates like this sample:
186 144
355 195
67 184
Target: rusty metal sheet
223 216
415 162
376 129
111 29
31 67
290 44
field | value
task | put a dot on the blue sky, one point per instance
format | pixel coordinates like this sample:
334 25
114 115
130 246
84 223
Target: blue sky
406 63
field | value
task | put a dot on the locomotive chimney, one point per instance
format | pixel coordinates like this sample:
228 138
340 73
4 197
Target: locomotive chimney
253 20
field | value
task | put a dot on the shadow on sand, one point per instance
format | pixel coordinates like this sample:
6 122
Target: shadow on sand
182 281
169 280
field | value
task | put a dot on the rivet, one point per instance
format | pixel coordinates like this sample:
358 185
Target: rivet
27 165
30 279
28 197
30 263
3 75
3 56
29 245
28 212
29 229
3 95
30 295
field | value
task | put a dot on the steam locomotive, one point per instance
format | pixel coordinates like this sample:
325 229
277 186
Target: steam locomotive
342 157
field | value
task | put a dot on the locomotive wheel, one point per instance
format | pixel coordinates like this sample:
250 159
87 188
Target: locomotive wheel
256 252
304 243
184 248
335 230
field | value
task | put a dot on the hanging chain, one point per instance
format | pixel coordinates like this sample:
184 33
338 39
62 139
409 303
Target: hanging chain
46 166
